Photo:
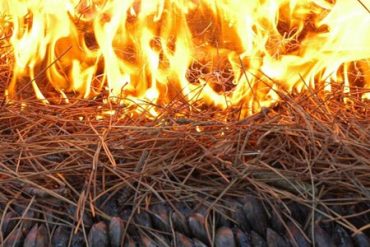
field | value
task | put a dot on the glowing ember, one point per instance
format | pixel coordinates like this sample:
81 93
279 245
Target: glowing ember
221 53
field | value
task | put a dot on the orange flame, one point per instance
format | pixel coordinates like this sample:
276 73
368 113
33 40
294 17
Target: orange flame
221 53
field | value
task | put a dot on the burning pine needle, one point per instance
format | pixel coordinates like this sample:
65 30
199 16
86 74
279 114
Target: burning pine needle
184 123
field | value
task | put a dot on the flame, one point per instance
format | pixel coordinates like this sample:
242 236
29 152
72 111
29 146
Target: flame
221 53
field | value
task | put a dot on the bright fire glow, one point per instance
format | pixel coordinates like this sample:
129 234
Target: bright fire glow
218 52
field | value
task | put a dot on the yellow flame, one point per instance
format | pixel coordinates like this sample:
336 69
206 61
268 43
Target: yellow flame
221 53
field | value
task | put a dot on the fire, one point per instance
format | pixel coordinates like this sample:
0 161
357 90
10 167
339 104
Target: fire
220 53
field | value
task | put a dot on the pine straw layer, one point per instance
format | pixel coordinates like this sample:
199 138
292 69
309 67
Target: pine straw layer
312 149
